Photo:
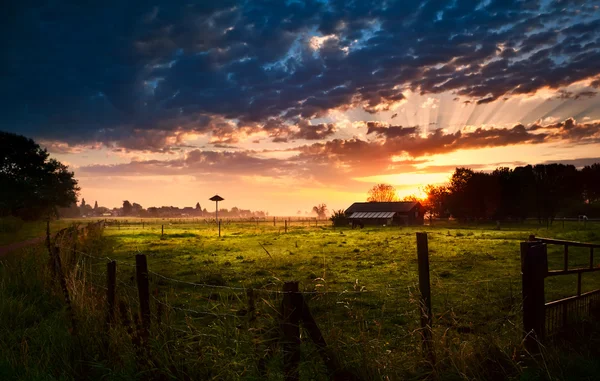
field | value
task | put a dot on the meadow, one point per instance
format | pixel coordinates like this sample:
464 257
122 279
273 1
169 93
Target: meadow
361 287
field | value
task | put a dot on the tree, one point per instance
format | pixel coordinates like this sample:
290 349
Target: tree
127 208
137 208
95 205
82 203
591 180
382 193
320 210
33 184
198 208
72 211
410 198
437 200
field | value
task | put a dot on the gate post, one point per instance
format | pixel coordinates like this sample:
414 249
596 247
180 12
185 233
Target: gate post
534 267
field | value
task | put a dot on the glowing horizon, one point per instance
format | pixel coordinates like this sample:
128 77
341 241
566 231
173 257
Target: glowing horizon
312 102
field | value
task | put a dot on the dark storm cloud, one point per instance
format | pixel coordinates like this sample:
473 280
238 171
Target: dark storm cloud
383 130
139 75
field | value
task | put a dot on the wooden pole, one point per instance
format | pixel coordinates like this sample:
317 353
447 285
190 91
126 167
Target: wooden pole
290 327
63 285
329 358
534 267
162 230
425 290
141 276
273 221
111 287
285 228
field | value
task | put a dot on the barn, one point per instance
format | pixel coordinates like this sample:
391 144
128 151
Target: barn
386 213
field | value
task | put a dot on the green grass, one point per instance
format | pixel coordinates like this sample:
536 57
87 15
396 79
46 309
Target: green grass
360 284
15 230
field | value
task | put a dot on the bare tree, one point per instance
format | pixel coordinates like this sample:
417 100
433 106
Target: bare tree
321 210
382 193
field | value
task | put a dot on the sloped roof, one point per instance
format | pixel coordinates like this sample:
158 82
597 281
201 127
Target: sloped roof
400 206
372 215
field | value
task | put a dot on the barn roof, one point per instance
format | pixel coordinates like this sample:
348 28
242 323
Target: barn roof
372 215
400 206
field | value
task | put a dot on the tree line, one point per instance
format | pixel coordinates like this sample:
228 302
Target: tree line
543 191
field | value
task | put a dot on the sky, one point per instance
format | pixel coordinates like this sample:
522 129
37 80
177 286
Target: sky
282 105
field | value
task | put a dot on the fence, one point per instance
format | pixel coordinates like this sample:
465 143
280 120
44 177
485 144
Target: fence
275 316
544 319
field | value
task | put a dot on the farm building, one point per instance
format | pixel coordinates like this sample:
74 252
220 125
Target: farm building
386 213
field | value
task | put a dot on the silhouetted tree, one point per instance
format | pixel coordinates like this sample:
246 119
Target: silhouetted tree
410 198
542 191
556 186
127 208
198 208
82 203
32 184
591 182
95 205
320 210
72 211
136 208
382 193
437 200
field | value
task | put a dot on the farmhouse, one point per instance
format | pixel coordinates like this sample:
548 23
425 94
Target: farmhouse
386 213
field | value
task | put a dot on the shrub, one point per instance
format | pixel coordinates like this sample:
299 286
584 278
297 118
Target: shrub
339 218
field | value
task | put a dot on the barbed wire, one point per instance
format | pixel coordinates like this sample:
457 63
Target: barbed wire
191 310
454 283
436 282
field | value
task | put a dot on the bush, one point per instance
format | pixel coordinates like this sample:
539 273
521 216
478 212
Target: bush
339 218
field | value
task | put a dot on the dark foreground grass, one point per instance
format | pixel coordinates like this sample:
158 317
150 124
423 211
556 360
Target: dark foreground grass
359 284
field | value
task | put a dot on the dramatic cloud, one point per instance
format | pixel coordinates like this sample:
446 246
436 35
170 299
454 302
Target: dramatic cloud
141 76
337 160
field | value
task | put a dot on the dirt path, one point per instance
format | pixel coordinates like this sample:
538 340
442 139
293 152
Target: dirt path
19 245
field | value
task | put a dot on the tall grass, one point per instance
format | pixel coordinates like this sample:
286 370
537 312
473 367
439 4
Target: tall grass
208 333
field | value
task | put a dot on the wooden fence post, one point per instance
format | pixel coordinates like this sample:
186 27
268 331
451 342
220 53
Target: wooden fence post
331 362
162 230
63 285
290 327
534 267
285 228
141 276
111 288
425 290
273 221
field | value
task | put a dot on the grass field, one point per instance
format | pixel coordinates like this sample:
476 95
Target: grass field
360 285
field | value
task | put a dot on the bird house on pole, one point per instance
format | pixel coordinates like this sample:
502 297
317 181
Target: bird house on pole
216 198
